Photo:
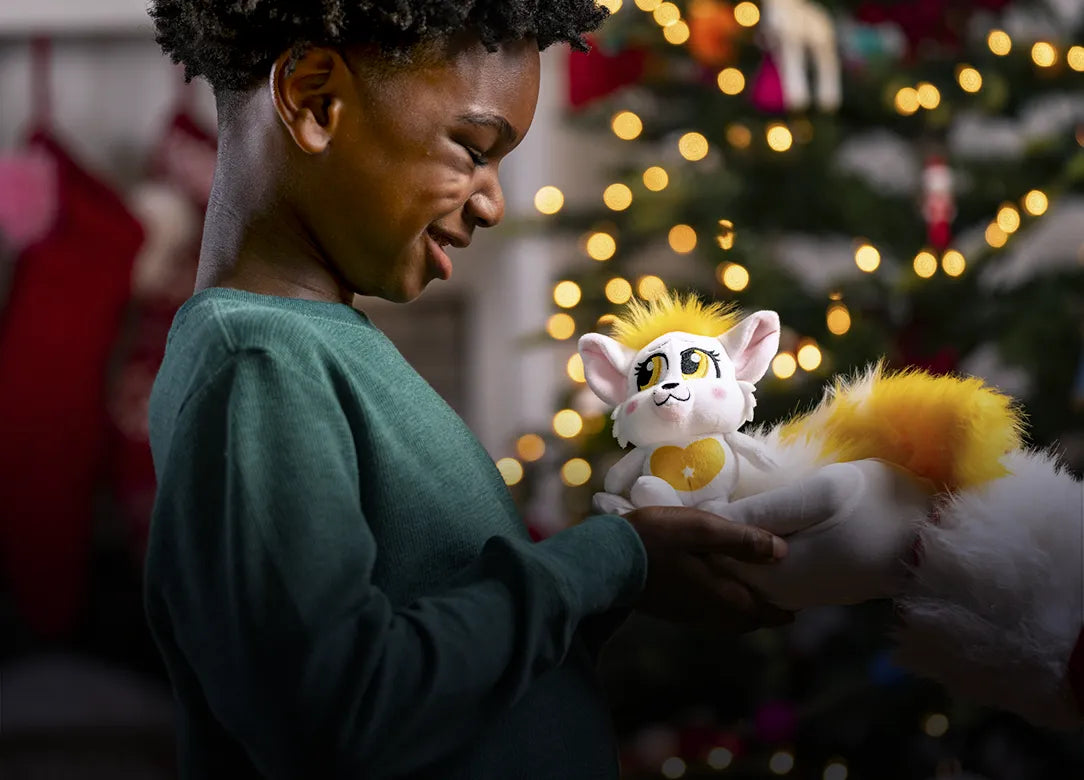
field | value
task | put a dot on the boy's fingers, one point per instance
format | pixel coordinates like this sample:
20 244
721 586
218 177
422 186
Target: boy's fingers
738 605
702 532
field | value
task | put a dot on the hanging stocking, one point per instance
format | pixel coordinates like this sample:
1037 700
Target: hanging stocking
170 206
593 75
67 297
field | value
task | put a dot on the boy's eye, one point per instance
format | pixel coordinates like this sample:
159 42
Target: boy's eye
650 371
696 362
476 157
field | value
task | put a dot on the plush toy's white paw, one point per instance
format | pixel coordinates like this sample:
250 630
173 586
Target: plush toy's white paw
611 504
717 506
653 491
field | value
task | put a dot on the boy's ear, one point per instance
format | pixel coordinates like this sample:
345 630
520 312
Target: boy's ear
605 366
309 97
752 343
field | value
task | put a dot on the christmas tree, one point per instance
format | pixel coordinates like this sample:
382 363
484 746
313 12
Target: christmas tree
895 179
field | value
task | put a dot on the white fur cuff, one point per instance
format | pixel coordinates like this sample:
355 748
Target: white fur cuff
997 600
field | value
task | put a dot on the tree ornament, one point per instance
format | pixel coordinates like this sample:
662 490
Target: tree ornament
793 31
712 30
938 204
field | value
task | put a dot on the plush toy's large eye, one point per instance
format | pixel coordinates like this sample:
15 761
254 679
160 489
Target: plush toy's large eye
695 363
650 371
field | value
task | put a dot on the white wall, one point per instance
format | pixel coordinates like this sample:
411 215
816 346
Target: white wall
113 91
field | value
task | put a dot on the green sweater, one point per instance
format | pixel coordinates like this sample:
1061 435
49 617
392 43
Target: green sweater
337 578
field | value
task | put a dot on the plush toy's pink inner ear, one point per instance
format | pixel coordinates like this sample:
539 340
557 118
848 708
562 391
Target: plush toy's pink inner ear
603 367
752 345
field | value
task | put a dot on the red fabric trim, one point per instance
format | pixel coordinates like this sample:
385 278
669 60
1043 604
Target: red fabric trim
1076 671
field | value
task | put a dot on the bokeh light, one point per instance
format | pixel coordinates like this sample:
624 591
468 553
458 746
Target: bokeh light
838 319
907 100
549 199
809 357
693 146
1075 57
781 762
575 472
666 14
731 81
784 365
627 125
574 368
936 724
1036 203
925 264
682 239
1044 54
566 294
601 246
739 136
867 258
999 42
511 470
1008 218
617 197
953 262
560 326
779 137
618 290
929 96
969 79
733 276
567 423
995 236
676 33
746 14
656 178
530 447
650 287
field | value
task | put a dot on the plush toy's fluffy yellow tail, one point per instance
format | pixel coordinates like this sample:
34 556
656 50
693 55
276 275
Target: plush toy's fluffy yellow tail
952 431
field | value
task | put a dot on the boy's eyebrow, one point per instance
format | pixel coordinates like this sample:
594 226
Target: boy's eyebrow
508 133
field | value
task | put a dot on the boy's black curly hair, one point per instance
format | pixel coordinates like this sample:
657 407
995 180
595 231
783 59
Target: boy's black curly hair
232 43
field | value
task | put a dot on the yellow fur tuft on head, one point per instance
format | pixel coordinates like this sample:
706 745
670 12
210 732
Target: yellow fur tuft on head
641 323
952 431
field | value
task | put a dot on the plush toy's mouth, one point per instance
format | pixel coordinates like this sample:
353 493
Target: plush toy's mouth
671 397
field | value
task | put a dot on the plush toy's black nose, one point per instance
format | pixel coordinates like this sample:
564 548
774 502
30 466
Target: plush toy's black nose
669 385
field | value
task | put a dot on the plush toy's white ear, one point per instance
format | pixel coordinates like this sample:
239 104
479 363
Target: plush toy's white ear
752 344
605 366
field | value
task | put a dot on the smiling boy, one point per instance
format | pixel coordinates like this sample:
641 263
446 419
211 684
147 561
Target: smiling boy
337 578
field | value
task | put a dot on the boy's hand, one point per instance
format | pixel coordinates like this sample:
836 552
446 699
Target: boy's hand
850 528
684 580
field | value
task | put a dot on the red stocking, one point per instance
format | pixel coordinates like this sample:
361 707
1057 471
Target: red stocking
67 296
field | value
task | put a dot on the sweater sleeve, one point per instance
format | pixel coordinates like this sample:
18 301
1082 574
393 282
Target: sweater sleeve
259 572
996 605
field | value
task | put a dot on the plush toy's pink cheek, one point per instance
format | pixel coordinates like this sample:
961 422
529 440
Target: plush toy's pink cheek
630 407
718 392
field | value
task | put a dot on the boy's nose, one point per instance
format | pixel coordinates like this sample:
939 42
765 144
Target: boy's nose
486 206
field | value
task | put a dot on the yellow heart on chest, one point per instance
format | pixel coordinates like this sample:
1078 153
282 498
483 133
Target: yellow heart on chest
689 468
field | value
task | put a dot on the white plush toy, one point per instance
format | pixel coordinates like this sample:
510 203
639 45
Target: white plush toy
990 585
681 376
795 28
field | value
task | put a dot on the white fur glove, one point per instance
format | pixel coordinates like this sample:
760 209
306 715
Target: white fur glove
850 528
996 605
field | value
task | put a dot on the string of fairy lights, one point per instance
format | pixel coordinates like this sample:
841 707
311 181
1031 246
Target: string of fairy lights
779 136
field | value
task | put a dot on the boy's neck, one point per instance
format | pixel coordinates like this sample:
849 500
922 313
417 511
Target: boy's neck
252 237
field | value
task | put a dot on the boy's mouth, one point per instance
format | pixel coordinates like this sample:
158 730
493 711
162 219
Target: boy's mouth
444 239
